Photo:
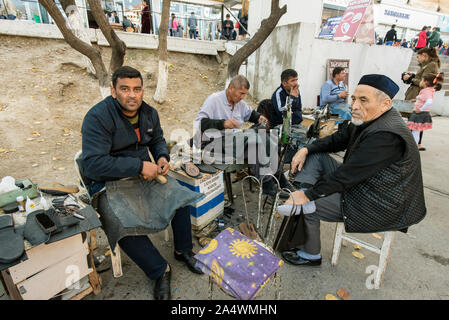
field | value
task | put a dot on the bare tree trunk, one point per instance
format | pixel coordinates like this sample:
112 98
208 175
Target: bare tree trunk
77 27
92 53
266 27
117 45
162 80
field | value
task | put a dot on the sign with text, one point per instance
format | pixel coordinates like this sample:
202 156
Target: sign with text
333 63
350 22
365 33
329 28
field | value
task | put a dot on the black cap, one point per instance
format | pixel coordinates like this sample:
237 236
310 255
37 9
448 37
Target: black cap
381 82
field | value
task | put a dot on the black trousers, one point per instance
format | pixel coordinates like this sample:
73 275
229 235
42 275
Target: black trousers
141 250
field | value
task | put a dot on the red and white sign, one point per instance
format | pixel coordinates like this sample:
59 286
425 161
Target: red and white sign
351 20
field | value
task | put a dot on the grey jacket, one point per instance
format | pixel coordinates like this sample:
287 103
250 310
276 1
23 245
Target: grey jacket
192 22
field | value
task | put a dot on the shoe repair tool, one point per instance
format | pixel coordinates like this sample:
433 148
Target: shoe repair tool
59 190
161 179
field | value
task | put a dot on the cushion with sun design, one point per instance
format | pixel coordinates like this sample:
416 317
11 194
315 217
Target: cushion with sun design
238 264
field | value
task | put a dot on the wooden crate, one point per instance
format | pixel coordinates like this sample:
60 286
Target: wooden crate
50 269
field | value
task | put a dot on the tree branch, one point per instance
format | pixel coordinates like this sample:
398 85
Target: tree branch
92 53
117 45
266 27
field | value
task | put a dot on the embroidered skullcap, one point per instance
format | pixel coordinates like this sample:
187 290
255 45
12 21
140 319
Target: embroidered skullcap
381 82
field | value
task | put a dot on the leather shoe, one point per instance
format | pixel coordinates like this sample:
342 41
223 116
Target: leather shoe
293 258
162 289
189 260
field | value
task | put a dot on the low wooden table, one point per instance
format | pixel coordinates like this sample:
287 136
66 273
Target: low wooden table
51 268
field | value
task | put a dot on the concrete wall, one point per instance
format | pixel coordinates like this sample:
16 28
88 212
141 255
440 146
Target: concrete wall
308 11
132 40
294 46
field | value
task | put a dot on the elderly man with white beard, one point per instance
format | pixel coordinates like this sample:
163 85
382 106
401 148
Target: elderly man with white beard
378 187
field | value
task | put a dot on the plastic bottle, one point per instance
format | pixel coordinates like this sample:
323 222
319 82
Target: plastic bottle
30 205
43 203
21 203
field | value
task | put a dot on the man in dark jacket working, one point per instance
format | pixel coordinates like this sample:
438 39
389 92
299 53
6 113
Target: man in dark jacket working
378 187
117 134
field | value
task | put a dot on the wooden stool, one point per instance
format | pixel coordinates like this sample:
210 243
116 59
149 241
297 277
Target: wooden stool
383 251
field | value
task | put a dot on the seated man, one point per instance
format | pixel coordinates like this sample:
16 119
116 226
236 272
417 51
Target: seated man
116 135
227 110
334 93
289 86
378 187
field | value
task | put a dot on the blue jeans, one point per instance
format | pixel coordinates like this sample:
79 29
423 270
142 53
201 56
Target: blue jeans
342 109
141 250
192 33
388 43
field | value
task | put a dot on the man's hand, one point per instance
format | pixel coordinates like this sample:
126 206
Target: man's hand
417 111
298 160
231 124
343 94
295 91
150 170
163 165
299 198
262 119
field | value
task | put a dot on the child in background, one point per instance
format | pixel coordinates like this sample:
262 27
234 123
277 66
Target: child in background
421 119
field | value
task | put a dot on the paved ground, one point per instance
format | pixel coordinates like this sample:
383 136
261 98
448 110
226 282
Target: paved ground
418 267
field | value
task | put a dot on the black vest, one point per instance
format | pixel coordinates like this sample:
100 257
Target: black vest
393 199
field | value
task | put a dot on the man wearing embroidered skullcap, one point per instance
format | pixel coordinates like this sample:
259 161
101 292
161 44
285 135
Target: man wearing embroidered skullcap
377 188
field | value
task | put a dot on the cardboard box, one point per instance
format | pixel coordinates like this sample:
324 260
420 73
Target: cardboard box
206 210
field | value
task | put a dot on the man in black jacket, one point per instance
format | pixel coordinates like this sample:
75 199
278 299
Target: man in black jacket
116 136
378 187
391 36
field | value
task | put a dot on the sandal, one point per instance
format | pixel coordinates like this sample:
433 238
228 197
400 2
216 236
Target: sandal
249 231
191 169
12 247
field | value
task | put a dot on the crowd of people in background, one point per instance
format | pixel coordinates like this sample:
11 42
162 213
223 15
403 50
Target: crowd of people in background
427 38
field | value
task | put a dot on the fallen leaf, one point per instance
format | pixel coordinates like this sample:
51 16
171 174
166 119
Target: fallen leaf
330 297
343 293
61 169
56 159
30 139
34 165
145 70
35 133
44 152
357 247
377 236
3 150
358 255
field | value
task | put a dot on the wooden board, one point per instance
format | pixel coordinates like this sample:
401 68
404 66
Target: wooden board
56 278
43 256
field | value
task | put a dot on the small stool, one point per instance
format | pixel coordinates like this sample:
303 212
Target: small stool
383 251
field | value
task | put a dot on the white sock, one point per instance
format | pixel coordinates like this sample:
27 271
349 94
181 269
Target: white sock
286 209
415 134
308 207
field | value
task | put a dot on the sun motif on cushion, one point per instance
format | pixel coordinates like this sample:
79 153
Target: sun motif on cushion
243 248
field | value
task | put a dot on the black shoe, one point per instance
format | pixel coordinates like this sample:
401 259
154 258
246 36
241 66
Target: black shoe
270 189
293 258
162 289
285 184
189 260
